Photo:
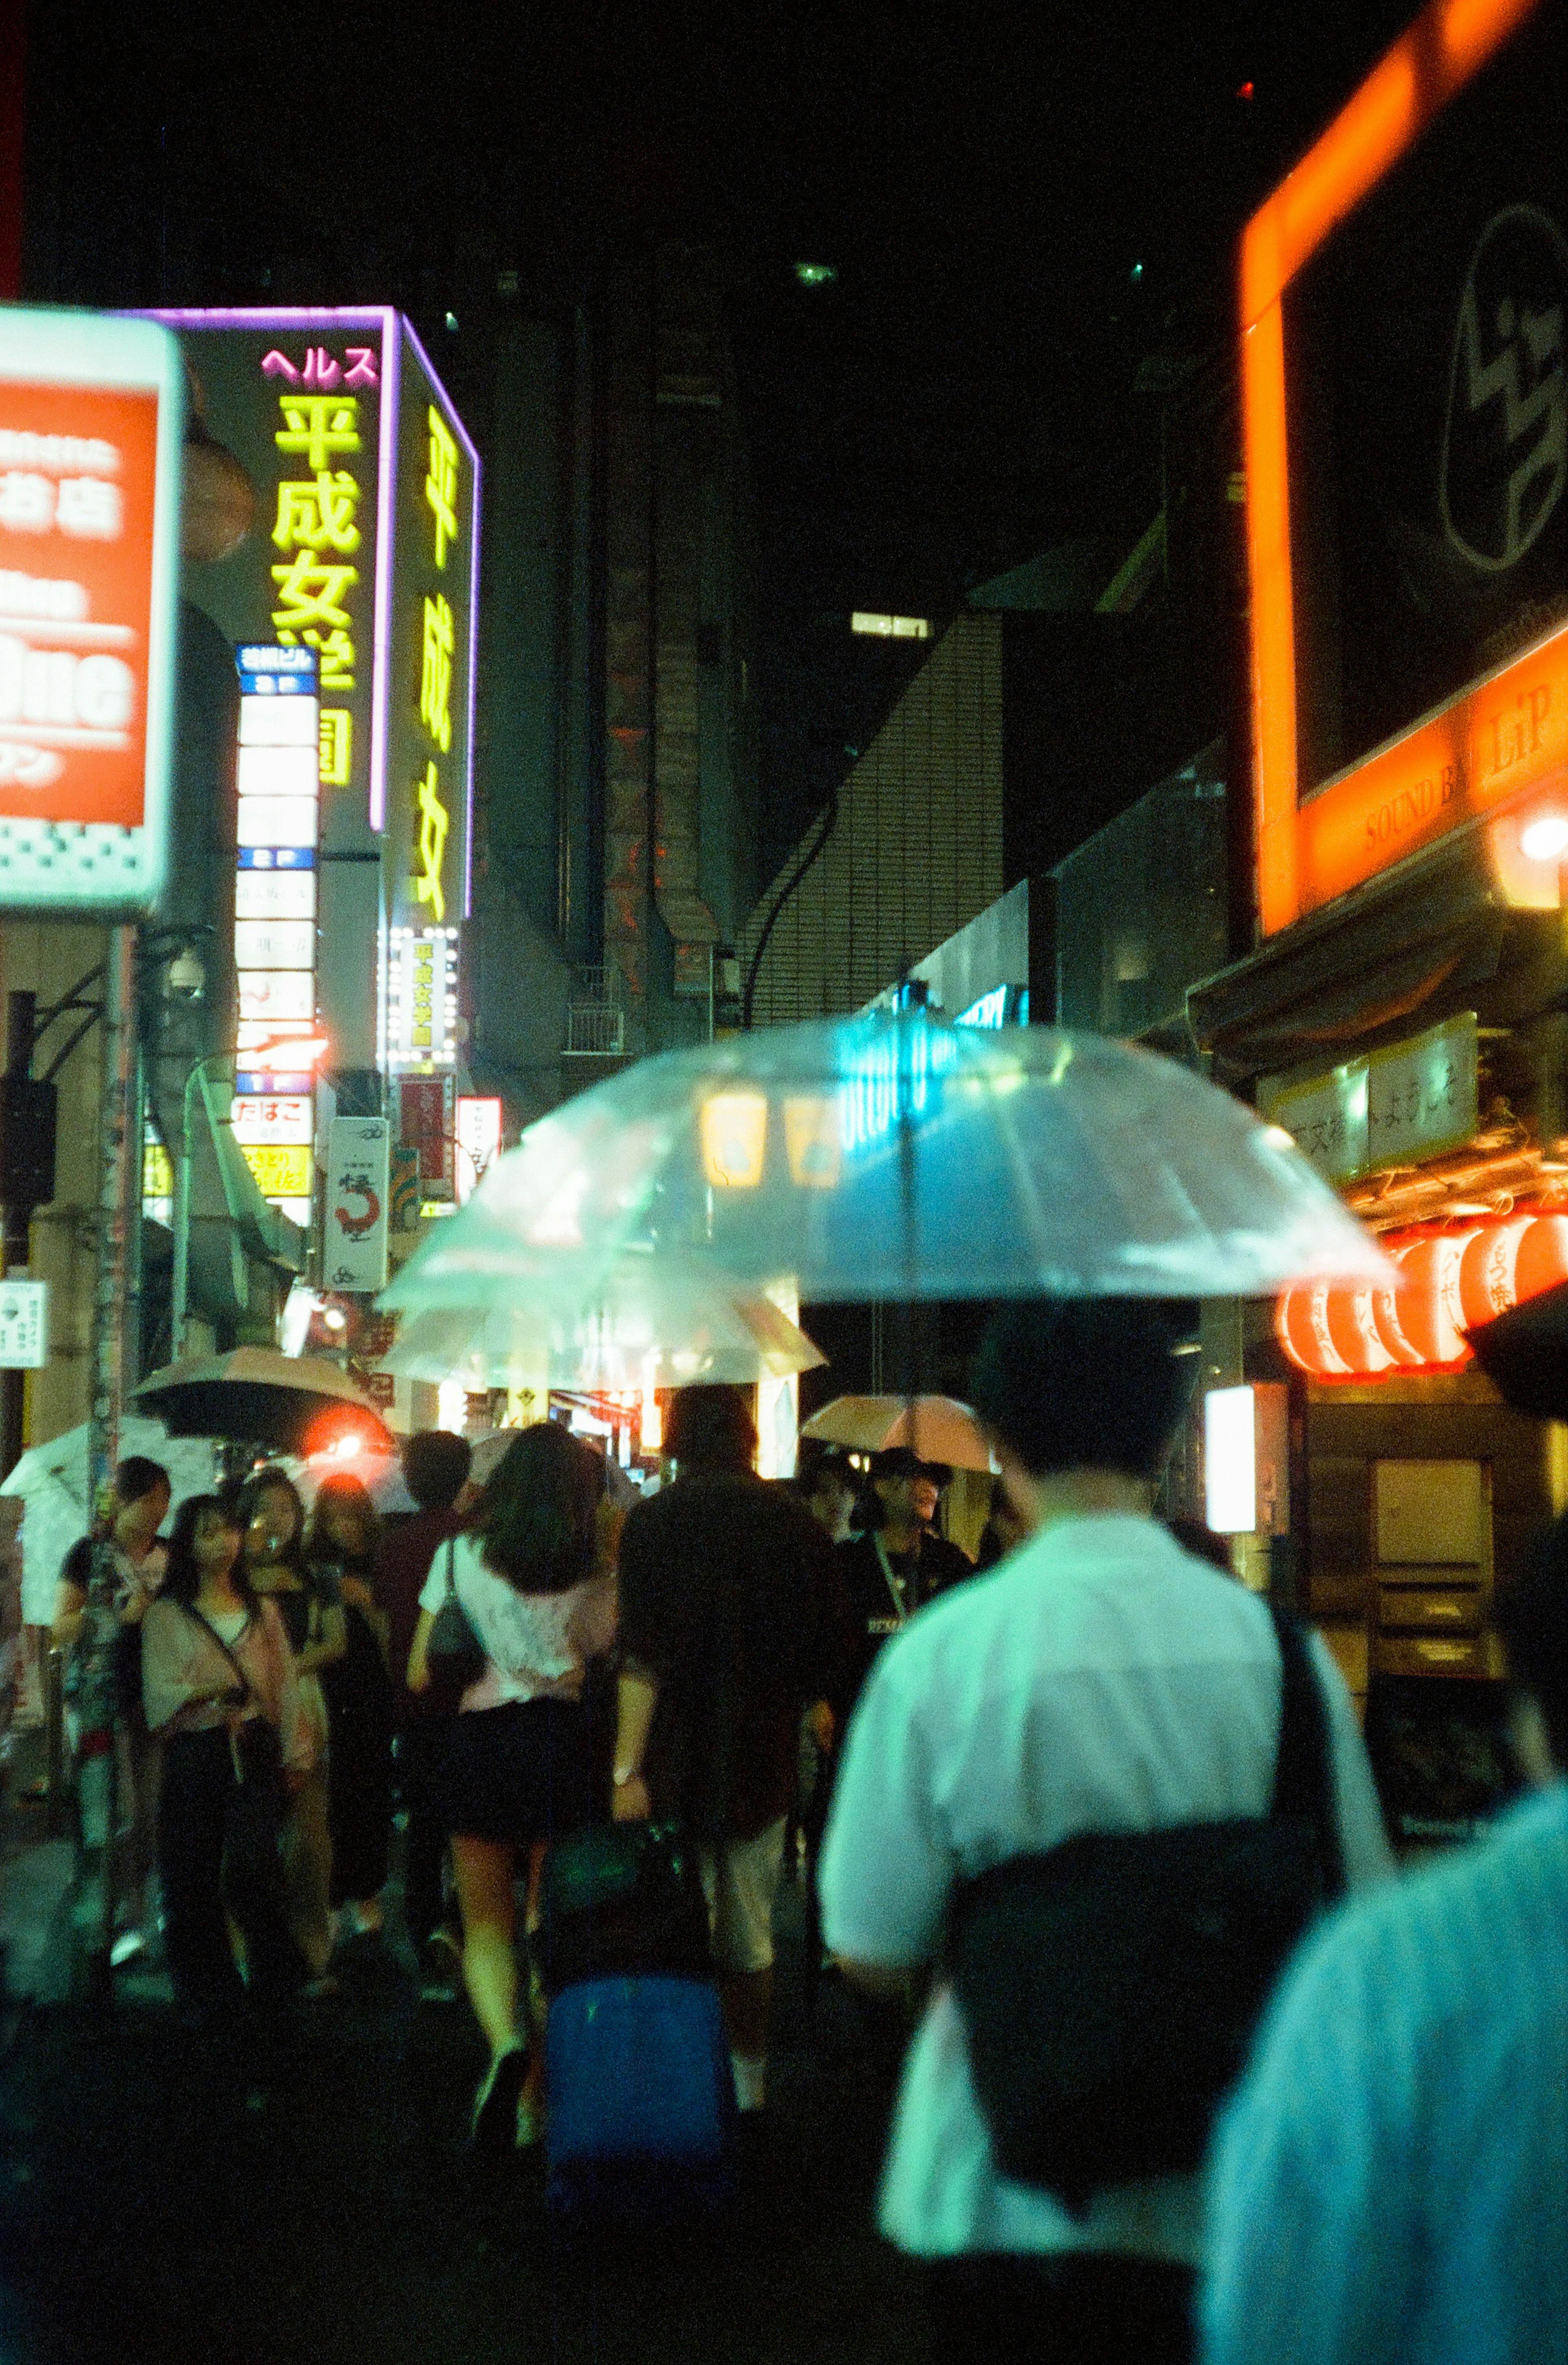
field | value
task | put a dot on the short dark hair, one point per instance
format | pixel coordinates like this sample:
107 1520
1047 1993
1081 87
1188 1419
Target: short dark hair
436 1463
136 1477
712 1428
1531 1616
341 1486
1086 1383
537 1519
181 1580
818 1463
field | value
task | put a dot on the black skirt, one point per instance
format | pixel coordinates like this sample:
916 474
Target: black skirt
518 1773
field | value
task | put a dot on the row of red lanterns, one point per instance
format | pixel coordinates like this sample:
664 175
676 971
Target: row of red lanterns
1451 1281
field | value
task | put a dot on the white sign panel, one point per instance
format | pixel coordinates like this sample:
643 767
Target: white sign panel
24 1326
1392 1108
355 1243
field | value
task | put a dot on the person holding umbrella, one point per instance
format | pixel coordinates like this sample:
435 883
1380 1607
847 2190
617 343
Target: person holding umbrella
894 1567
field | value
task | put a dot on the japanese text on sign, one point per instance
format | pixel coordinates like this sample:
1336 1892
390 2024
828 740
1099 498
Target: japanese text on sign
1406 1103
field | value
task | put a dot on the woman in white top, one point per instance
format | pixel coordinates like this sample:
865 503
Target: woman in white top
533 1577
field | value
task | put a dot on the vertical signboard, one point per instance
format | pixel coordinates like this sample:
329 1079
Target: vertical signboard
306 401
91 430
353 1251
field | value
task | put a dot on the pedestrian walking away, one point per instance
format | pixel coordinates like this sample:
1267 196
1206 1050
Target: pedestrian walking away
727 1639
532 1578
273 1521
342 1547
1099 1679
1391 2182
219 1685
435 1470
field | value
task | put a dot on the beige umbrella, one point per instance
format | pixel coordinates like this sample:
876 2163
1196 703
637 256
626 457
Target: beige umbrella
939 1428
257 1395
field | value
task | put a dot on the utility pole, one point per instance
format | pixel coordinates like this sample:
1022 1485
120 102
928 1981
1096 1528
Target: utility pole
20 1017
118 1204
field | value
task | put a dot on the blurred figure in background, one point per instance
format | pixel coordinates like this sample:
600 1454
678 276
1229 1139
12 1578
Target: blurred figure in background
116 1759
343 1538
727 1638
827 1484
894 1568
436 1465
273 1518
1391 2182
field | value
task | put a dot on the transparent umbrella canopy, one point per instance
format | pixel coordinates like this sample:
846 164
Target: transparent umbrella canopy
653 1322
893 1156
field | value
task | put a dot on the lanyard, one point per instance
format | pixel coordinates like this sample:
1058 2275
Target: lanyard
896 1584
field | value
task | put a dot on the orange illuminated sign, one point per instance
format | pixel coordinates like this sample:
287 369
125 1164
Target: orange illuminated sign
1396 800
92 416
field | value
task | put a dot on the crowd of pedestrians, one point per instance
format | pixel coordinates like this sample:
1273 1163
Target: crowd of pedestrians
748 1664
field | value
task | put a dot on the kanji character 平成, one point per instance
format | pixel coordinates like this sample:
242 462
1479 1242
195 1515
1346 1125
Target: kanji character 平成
435 672
319 425
441 484
318 513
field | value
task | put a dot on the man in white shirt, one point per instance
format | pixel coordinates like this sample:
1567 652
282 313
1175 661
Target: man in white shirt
1099 1679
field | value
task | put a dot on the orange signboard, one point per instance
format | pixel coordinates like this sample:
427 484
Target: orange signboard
1298 856
1506 735
91 423
78 468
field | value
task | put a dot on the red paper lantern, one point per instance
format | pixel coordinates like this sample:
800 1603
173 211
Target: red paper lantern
1488 1270
1301 1323
1386 1308
1543 1257
1431 1312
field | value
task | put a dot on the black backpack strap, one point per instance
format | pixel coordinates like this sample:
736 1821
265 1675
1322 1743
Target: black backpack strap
1304 1771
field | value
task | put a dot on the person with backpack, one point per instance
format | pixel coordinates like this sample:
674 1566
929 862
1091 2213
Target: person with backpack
1100 1688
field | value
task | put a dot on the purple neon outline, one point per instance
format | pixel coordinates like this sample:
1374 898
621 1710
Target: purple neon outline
468 445
332 318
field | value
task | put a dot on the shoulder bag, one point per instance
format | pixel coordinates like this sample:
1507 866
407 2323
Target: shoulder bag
252 1820
454 1657
1110 1986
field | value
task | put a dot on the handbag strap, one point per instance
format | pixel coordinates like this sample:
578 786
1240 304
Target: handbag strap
1303 1774
192 1611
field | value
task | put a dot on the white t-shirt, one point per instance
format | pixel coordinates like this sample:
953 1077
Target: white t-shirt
1100 1679
536 1643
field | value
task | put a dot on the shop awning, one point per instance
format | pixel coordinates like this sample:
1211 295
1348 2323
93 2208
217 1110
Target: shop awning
1402 948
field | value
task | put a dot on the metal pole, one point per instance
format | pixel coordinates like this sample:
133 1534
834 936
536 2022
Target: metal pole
96 1784
180 1285
21 1011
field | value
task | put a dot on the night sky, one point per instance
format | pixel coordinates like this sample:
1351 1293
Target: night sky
1022 204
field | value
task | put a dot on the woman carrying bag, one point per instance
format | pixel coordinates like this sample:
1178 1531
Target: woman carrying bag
218 1685
273 1518
531 1575
342 1545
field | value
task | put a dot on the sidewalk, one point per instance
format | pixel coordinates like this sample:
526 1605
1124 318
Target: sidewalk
164 2200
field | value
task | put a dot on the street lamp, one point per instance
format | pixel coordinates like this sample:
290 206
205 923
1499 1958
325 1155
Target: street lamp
289 1055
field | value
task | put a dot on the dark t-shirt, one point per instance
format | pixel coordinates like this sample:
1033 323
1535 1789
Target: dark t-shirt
409 1546
726 1593
870 1608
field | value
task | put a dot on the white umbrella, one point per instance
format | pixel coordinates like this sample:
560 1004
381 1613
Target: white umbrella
52 1483
892 1156
478 1310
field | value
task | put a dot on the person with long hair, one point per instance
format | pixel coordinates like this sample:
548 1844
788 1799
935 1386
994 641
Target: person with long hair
218 1685
343 1538
273 1518
533 1578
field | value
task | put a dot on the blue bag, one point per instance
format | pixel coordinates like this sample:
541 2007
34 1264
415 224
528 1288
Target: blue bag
640 2100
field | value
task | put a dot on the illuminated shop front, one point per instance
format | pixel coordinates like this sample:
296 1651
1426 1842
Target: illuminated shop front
1406 1013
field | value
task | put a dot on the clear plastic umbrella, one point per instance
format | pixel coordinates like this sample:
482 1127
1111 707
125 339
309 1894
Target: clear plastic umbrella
654 1322
892 1156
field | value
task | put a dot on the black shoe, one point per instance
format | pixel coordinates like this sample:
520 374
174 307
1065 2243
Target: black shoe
495 2104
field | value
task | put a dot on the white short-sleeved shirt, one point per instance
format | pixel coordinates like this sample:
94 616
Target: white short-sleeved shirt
1100 1679
536 1643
